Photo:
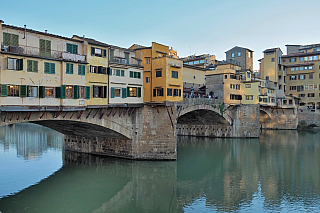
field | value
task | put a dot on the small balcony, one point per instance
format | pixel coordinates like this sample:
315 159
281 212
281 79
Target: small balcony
124 61
34 51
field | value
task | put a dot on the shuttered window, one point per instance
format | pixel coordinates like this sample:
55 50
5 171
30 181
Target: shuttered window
75 92
124 92
4 90
135 74
122 73
41 91
58 92
69 68
10 39
23 91
81 69
63 91
49 68
127 57
139 92
45 48
32 66
87 92
72 48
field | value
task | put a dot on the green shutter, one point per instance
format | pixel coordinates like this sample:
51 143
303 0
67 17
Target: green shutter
122 73
83 69
92 51
14 40
20 64
68 68
4 90
75 49
42 47
127 57
112 92
69 48
131 74
104 53
29 66
71 68
124 92
154 92
111 54
6 39
75 92
41 91
58 92
52 68
128 91
110 71
63 91
48 48
139 74
23 91
35 66
139 92
87 92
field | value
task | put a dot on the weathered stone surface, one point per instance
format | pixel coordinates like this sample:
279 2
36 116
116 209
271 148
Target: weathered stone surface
309 117
279 118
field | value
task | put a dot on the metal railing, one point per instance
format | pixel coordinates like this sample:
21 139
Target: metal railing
35 51
124 61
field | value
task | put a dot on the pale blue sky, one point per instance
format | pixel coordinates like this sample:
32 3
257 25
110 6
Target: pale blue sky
196 27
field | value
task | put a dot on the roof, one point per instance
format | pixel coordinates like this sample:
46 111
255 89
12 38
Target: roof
272 49
300 54
196 67
237 47
38 32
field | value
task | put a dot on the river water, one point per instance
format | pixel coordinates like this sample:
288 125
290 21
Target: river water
280 172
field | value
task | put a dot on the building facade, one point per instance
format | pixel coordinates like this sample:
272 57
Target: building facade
242 55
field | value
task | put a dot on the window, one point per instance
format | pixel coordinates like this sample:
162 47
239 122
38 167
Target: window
169 92
306 58
272 59
32 66
310 76
292 59
49 92
135 74
135 92
311 86
49 68
293 88
147 79
305 86
196 62
148 61
82 92
235 97
175 92
32 91
300 88
249 97
45 48
232 55
310 67
72 48
157 92
302 95
202 61
190 63
248 85
10 39
292 69
13 90
310 94
15 64
99 91
302 77
225 76
81 69
269 53
301 59
69 68
292 78
117 72
122 73
69 91
315 57
283 60
98 69
175 74
310 58
117 92
239 54
99 52
158 73
248 75
267 78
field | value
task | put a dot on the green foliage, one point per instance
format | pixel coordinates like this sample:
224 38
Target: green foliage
221 107
312 125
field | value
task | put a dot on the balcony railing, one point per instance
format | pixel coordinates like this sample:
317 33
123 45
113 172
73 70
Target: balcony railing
132 61
34 51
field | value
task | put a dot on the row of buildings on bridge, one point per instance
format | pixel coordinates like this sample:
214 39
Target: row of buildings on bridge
40 69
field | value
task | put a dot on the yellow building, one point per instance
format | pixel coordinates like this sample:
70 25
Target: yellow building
228 83
41 69
97 77
194 80
302 66
163 79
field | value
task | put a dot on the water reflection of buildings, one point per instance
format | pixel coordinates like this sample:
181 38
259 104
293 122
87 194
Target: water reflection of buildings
30 140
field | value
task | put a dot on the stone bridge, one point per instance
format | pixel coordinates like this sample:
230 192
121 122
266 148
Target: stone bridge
212 118
278 118
147 131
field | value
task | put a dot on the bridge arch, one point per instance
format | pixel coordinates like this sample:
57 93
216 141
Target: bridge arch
265 118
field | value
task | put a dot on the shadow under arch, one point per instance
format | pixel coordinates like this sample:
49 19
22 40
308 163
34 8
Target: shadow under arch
78 128
265 118
202 117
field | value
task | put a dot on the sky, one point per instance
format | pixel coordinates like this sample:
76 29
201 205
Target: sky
190 27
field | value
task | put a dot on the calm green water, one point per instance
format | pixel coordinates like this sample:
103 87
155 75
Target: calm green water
280 172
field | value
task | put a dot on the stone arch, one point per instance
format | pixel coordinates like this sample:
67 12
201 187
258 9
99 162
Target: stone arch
202 117
213 110
265 118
